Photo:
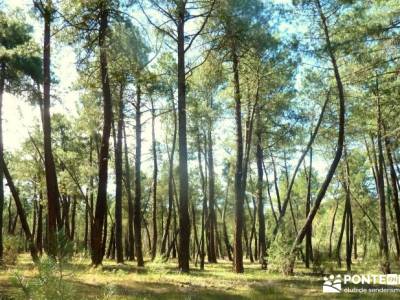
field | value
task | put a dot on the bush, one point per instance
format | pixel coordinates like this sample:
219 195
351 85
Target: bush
50 282
279 255
11 246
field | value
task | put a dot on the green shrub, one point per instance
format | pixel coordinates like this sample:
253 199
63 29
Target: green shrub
11 246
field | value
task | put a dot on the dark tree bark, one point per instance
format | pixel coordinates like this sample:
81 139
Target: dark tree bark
204 204
184 219
393 181
53 195
20 211
212 220
340 141
154 190
260 198
308 254
101 203
137 216
385 265
239 192
224 227
118 181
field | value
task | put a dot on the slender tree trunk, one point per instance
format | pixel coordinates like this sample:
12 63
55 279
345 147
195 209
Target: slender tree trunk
101 203
39 234
224 227
73 218
340 142
332 228
204 203
212 258
170 184
118 181
385 264
184 220
260 198
155 173
137 216
20 210
131 240
393 180
308 207
239 193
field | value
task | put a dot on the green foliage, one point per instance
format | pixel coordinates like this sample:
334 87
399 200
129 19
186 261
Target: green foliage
11 249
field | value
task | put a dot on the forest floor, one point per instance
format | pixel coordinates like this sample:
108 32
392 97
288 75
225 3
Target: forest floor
162 281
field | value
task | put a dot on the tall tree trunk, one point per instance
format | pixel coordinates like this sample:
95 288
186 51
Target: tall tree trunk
154 190
118 181
239 192
385 264
20 210
101 203
184 219
53 195
340 141
204 203
137 216
308 207
131 240
393 180
212 258
260 199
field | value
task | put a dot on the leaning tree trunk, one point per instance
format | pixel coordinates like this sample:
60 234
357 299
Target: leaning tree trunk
101 203
340 142
308 254
20 210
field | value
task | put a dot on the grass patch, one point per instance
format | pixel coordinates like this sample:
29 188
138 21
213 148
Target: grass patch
163 281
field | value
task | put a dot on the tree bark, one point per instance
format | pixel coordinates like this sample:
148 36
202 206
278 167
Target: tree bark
101 203
154 190
137 216
340 142
385 264
118 181
53 195
2 85
131 240
20 211
260 198
239 193
184 219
